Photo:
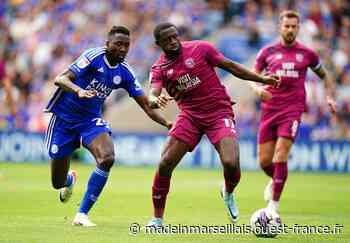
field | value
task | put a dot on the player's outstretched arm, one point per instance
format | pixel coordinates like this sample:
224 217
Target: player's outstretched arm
143 102
65 82
329 87
242 72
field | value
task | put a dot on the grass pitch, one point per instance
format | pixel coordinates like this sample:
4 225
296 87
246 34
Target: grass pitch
30 210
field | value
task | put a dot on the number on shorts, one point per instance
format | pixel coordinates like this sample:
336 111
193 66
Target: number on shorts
101 122
294 128
229 123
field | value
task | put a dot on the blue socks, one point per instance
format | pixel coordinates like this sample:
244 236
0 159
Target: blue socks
95 186
69 180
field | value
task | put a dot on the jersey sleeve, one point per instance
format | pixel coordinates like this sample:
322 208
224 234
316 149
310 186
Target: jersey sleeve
315 62
155 77
131 84
81 65
212 54
260 61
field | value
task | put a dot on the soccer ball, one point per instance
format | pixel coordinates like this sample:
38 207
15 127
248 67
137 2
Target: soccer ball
264 224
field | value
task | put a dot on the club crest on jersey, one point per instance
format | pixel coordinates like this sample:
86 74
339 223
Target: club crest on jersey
170 73
189 63
82 62
117 79
299 57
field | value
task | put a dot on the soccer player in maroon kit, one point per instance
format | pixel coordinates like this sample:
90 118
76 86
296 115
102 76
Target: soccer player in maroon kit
187 71
282 107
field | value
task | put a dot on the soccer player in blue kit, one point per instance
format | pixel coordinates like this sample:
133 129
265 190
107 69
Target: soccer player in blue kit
76 116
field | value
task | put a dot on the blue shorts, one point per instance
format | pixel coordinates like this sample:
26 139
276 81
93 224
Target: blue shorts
62 137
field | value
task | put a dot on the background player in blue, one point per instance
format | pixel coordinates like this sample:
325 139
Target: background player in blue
76 118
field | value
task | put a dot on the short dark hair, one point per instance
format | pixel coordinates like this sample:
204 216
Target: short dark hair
160 27
289 14
119 29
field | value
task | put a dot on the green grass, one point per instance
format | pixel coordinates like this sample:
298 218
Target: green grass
30 211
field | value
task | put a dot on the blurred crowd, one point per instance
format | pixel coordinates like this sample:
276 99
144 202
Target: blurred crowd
39 38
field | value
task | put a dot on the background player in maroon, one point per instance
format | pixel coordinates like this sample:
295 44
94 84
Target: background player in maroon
282 107
186 70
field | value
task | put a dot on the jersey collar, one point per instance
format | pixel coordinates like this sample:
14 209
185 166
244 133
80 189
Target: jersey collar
107 63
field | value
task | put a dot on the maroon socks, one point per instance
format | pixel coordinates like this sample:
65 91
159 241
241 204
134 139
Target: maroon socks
160 189
279 178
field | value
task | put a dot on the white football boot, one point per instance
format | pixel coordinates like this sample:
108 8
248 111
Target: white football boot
81 219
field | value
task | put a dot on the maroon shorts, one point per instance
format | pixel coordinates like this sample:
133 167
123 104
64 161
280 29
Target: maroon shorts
274 124
190 130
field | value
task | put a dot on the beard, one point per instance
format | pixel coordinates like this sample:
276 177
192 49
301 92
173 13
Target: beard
289 38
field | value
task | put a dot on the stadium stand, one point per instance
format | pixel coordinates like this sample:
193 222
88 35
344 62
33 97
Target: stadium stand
40 38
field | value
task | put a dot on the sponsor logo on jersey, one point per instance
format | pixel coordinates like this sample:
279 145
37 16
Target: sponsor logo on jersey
186 82
100 69
102 89
288 70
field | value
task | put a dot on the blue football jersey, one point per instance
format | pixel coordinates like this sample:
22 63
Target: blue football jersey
93 72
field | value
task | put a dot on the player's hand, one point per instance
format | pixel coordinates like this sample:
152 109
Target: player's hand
332 104
162 101
263 94
82 93
272 80
169 125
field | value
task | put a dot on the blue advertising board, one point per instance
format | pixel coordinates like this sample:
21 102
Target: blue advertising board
144 149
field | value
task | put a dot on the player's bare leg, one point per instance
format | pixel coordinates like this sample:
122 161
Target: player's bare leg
228 150
102 149
265 156
172 154
283 146
61 179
